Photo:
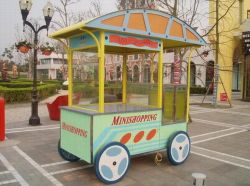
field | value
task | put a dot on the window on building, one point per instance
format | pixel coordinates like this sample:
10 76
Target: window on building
146 75
192 73
136 57
146 56
129 74
130 57
118 73
172 73
136 74
57 61
43 74
248 14
117 58
45 61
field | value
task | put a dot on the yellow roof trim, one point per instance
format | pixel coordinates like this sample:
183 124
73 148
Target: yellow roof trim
67 30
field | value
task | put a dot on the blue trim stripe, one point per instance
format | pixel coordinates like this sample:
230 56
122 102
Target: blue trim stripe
135 126
125 22
149 32
170 23
184 32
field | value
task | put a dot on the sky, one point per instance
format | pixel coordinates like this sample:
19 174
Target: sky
10 16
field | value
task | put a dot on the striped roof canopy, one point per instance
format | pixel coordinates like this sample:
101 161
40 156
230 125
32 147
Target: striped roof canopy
150 23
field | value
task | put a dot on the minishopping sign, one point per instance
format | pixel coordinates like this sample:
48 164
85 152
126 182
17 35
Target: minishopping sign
246 43
129 41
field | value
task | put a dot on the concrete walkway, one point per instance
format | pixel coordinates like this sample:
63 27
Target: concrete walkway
220 149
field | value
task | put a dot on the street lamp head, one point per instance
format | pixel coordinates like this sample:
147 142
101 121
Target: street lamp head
48 12
25 6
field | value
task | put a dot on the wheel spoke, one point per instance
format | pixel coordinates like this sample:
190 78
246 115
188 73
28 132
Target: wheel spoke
179 148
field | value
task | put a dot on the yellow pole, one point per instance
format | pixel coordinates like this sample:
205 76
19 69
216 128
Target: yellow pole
160 76
101 57
152 71
70 79
124 79
188 82
101 72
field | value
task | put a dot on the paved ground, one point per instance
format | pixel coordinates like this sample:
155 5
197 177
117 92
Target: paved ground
220 149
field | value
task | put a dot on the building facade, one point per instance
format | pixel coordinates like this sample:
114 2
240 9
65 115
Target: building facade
231 60
142 68
52 67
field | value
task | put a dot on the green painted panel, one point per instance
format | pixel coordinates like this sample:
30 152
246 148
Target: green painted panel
130 126
168 130
181 95
168 104
152 97
76 134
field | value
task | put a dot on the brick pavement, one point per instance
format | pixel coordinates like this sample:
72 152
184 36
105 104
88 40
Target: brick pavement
220 150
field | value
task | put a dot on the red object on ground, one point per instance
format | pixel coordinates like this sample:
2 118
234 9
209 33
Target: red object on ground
2 119
54 107
223 96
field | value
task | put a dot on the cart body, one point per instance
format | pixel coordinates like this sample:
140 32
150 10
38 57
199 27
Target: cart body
84 134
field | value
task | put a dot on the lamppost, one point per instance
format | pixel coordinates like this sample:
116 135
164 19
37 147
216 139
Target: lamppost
48 11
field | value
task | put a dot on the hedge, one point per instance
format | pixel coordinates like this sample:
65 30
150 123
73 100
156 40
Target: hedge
13 95
198 90
16 84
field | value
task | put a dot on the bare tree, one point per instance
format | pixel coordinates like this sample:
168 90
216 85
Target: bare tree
66 17
8 53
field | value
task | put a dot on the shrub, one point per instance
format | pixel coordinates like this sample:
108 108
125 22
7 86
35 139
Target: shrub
65 87
16 95
90 92
16 84
198 90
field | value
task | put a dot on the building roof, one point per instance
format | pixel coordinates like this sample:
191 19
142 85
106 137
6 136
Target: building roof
151 23
53 55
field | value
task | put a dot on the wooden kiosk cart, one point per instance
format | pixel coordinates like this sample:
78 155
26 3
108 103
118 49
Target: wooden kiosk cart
109 134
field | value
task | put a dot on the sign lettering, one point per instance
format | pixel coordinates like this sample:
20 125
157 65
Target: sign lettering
246 42
133 41
74 130
119 120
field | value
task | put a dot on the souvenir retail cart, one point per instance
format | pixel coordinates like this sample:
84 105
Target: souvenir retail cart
109 134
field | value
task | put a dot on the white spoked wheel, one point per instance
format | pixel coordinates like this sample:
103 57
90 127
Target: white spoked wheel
178 148
112 163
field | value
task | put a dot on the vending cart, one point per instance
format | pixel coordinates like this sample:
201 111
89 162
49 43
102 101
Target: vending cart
108 135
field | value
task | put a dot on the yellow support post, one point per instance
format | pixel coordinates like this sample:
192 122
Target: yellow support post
188 82
101 57
152 71
124 79
160 76
101 72
70 75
